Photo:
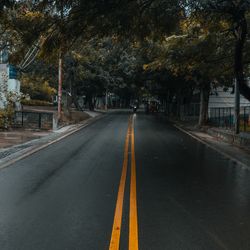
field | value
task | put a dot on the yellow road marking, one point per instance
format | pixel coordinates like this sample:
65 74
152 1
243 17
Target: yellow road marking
133 220
116 231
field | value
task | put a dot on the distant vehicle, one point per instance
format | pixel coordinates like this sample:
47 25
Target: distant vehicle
134 108
153 107
134 105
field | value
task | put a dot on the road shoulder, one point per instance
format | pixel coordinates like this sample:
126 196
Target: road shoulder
10 155
237 154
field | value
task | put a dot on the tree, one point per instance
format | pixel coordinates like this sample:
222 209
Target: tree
105 18
6 4
194 54
37 88
235 13
99 65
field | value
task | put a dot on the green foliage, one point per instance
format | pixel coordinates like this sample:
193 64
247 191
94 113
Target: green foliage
37 88
126 46
97 65
9 99
6 117
197 53
33 102
236 15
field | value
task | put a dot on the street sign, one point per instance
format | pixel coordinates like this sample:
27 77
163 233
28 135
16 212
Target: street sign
12 72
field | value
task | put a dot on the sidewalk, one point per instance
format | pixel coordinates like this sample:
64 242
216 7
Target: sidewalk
234 152
19 136
17 143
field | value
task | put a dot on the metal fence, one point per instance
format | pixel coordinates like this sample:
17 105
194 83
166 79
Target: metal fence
224 117
191 109
185 110
189 112
33 120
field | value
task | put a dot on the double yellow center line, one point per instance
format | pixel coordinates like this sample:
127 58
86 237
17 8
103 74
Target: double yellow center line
133 221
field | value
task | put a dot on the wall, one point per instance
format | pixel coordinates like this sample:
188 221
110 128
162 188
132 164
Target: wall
13 85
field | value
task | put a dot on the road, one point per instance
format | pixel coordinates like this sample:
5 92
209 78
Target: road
129 182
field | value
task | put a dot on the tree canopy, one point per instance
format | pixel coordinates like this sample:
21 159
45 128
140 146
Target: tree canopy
133 46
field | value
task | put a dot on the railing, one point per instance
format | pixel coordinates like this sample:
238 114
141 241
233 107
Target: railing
190 112
192 109
33 120
224 118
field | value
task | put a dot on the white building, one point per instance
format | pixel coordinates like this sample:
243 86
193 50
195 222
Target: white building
9 83
221 108
225 98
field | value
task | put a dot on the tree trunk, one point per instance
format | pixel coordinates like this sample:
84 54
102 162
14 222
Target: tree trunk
179 103
236 108
76 103
204 99
89 99
74 99
241 34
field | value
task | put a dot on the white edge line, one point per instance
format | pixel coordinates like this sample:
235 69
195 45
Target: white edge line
212 147
10 162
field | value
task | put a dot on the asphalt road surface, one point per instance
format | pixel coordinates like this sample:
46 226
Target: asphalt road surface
125 182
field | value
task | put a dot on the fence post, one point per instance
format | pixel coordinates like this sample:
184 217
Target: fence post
244 119
223 118
248 118
230 117
219 117
40 120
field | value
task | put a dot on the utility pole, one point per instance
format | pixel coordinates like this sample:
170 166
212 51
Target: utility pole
236 107
59 107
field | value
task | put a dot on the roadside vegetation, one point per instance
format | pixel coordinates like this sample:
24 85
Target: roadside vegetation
132 49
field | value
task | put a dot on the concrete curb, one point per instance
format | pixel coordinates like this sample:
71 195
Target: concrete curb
226 155
238 140
33 149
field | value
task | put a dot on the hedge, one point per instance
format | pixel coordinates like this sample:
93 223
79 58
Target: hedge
36 103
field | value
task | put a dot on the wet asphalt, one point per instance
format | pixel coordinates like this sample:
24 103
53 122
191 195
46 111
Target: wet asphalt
64 197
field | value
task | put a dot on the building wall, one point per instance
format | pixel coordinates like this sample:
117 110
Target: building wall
225 99
13 85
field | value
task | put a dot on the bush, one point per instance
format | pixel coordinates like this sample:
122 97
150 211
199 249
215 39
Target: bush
2 119
36 103
6 117
37 88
